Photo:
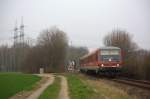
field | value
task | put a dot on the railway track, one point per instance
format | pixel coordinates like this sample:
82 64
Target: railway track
137 83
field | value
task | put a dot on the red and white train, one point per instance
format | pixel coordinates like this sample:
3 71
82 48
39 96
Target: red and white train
103 60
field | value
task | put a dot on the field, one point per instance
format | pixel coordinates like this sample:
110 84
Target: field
11 83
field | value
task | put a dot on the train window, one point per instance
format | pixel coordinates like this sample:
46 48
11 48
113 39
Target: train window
110 52
110 58
110 55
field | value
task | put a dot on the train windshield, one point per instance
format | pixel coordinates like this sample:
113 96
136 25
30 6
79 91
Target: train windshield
110 55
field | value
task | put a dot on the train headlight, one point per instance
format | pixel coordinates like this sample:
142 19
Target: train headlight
117 65
102 65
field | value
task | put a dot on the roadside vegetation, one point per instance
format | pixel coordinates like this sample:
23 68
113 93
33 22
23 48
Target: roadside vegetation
107 91
12 83
52 91
78 89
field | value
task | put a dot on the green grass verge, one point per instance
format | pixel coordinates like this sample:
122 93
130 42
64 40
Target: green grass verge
106 90
52 91
12 83
78 89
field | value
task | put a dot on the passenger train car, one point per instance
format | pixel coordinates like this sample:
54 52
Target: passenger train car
103 60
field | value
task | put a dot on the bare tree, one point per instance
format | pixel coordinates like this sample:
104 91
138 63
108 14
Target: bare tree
120 39
49 52
53 43
33 60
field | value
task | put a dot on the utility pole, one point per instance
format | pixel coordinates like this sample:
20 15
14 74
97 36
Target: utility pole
22 32
18 50
15 34
15 47
22 45
19 37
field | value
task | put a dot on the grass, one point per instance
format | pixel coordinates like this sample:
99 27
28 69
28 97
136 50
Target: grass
52 91
78 89
107 91
12 83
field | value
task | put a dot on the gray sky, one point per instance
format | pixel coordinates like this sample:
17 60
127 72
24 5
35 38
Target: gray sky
86 22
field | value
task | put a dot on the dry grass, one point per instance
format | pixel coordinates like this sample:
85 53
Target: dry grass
109 92
105 90
130 90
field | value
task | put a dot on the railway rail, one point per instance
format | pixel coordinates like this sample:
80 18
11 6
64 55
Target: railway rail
137 83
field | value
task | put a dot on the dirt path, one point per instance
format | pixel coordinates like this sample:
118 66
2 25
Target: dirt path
39 91
64 88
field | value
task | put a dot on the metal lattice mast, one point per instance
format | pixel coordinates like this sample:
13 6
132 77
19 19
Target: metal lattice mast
15 34
15 45
22 32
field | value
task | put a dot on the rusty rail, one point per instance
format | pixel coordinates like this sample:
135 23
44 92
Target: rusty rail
136 83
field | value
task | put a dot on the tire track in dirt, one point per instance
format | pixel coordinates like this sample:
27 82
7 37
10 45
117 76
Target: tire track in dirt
39 91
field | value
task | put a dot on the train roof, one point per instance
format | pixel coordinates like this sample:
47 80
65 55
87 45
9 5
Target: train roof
89 54
101 48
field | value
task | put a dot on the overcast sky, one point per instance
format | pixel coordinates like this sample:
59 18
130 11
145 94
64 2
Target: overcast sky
86 22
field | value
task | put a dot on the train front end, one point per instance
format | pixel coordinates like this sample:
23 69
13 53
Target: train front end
110 60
